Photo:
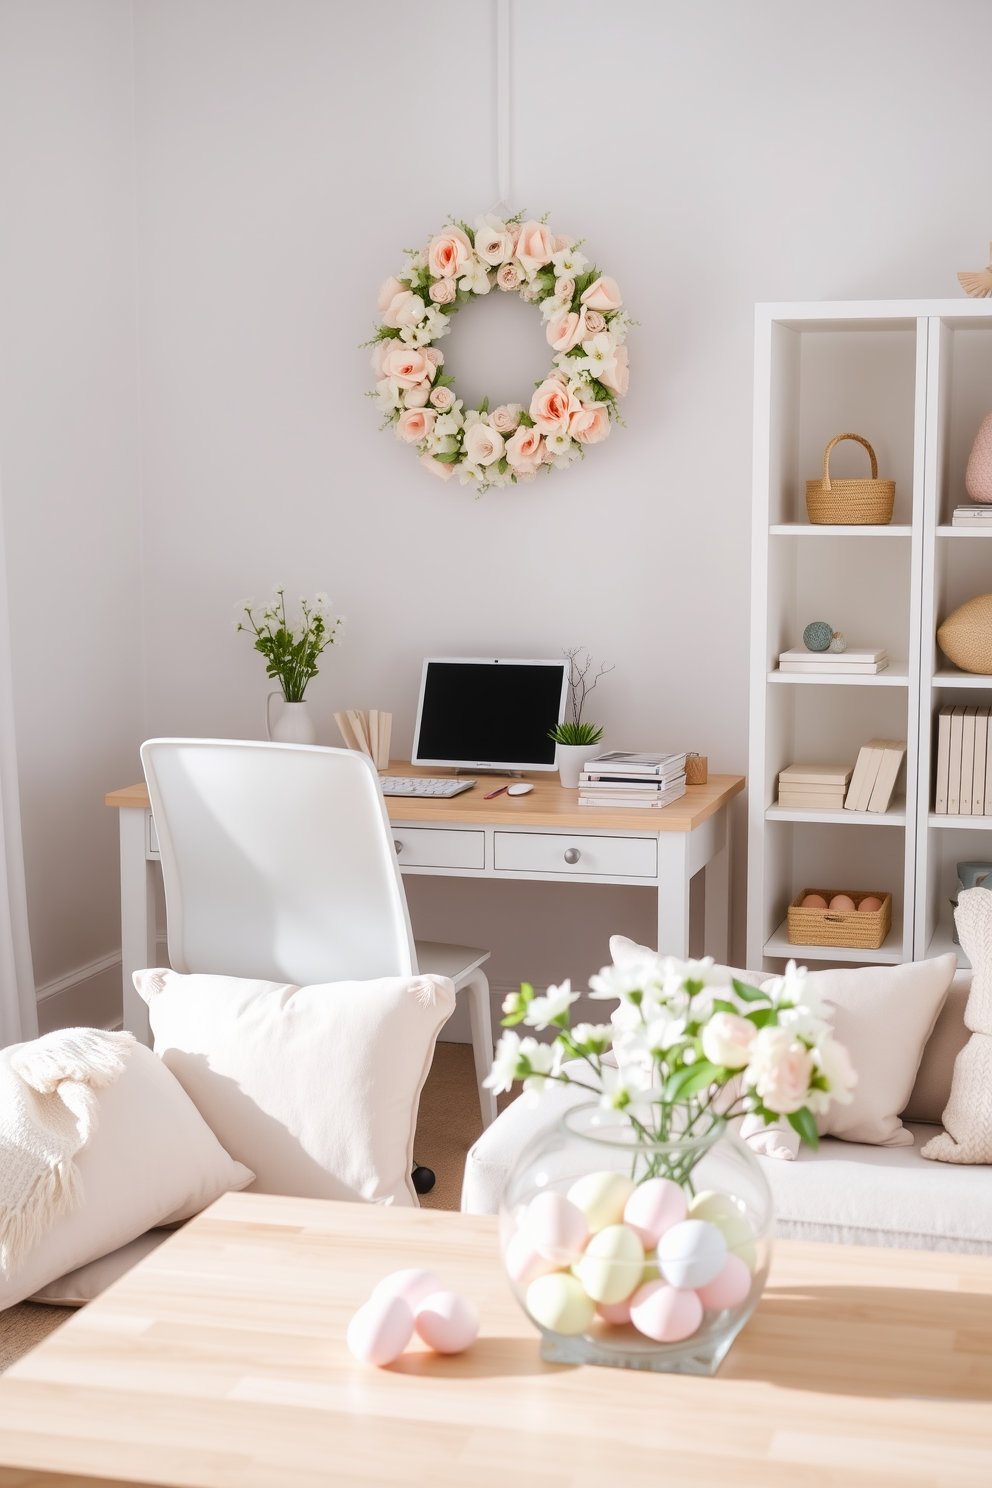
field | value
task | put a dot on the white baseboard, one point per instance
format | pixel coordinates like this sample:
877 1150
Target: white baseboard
88 997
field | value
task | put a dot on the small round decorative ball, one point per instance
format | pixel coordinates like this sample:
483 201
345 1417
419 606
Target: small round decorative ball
558 1302
653 1208
612 1264
691 1254
601 1197
728 1289
837 643
447 1322
661 1312
817 635
556 1227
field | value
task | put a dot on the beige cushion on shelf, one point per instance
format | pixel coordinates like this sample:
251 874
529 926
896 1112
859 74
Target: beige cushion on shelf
967 1134
151 1160
321 1084
932 1090
86 1282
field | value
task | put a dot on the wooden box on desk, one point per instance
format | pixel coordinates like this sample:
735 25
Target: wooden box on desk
831 927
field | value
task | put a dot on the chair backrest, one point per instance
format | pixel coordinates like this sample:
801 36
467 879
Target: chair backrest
278 861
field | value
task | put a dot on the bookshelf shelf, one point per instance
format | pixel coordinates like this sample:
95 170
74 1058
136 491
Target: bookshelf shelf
941 942
896 674
913 377
894 817
889 953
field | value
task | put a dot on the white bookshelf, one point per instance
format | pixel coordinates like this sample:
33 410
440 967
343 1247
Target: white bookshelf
915 379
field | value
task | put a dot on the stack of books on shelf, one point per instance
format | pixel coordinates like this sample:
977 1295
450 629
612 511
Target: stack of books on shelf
813 787
875 775
964 762
620 779
973 515
852 662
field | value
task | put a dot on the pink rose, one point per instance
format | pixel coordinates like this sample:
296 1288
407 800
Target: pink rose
780 1070
505 418
442 398
493 241
525 451
589 423
508 276
404 309
595 322
567 331
535 246
438 467
603 294
616 379
483 445
379 354
435 357
562 243
727 1040
407 365
551 407
565 290
447 253
390 289
443 291
415 424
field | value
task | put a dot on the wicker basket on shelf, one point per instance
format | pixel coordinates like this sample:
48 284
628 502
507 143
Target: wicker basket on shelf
850 503
832 927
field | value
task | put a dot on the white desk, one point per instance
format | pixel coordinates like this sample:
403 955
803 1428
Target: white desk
542 837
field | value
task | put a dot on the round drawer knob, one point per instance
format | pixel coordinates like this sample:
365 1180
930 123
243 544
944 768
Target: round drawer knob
397 844
572 855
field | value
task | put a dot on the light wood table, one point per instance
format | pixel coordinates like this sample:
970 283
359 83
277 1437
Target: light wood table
545 836
220 1362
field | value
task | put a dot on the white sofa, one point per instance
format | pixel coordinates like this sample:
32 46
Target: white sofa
845 1192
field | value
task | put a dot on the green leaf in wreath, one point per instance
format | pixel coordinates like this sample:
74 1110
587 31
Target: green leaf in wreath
443 379
448 458
527 421
503 465
484 405
748 994
804 1122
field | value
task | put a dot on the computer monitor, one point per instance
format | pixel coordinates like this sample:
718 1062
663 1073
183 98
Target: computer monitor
489 715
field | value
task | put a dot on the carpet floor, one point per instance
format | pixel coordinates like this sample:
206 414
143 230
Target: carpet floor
448 1123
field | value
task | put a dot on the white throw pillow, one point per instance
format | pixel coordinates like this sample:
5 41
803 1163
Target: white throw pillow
151 1160
967 1134
86 1282
316 1088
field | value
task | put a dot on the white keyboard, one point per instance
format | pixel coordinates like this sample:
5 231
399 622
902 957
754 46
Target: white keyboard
422 785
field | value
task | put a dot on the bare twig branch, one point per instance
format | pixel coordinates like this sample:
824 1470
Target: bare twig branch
578 687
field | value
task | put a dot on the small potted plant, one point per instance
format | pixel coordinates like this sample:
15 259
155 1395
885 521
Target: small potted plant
575 738
291 653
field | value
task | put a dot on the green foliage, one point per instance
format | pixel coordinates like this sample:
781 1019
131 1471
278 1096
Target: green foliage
526 419
692 1078
291 652
748 994
516 1005
443 379
804 1122
484 405
576 733
448 458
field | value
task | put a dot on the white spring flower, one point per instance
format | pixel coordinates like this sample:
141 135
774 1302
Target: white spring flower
834 1063
556 1002
592 1038
520 1059
475 278
568 263
631 1086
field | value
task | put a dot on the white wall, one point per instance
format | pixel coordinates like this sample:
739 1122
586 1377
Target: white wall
712 154
68 452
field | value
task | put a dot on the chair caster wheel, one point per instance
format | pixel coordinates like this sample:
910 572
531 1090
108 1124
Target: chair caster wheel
423 1179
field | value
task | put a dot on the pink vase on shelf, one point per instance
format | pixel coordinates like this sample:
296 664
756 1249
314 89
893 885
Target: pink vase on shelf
978 476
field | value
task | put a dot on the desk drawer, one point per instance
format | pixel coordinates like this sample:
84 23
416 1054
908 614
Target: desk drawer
539 852
439 847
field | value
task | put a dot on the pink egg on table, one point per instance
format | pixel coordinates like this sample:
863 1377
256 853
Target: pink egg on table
653 1208
869 905
617 1313
380 1330
556 1227
412 1284
665 1314
814 901
842 903
447 1322
728 1289
523 1262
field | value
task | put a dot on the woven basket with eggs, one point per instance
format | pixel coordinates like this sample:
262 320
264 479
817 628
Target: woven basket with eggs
865 929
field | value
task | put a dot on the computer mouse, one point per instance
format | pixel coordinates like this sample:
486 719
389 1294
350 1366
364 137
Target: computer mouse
521 789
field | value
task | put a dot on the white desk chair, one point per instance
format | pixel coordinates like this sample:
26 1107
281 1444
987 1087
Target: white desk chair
278 863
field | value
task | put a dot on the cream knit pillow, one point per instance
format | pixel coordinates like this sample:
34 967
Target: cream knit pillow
967 1134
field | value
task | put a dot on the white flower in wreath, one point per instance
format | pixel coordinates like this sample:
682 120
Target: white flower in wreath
389 394
450 422
483 445
471 474
474 417
475 278
568 263
600 355
499 478
618 326
417 397
415 335
493 240
437 323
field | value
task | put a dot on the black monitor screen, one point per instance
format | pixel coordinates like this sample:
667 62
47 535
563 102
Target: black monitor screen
474 712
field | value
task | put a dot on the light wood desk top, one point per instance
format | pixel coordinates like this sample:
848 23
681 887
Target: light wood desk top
547 805
220 1362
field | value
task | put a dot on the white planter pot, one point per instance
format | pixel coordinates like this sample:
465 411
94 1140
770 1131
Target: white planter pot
570 758
294 724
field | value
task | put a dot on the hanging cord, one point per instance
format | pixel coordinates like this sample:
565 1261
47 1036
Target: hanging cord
502 106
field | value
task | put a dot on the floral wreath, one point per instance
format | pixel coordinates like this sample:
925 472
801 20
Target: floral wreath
586 327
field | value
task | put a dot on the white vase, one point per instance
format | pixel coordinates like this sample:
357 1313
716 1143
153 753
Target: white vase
570 758
294 724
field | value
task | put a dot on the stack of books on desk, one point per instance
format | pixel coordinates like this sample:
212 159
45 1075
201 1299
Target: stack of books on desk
977 515
964 762
620 779
852 662
814 787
